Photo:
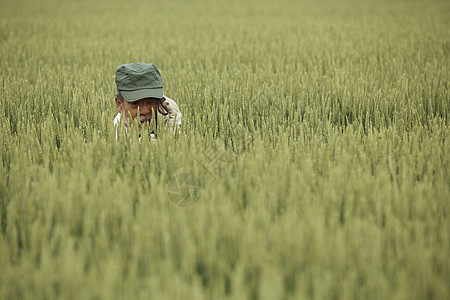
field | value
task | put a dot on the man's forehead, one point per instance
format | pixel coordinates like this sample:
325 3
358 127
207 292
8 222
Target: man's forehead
146 100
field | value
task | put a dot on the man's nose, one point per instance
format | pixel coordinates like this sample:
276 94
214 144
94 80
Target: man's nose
145 109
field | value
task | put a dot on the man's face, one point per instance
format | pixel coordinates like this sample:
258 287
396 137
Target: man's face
145 107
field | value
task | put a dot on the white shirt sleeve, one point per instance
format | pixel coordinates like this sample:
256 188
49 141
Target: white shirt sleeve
169 108
117 121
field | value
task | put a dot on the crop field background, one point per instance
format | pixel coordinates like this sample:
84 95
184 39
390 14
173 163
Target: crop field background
313 161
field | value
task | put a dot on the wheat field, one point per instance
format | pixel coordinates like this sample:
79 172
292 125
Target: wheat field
313 161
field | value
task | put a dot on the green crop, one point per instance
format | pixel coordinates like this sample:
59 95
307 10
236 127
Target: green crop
313 161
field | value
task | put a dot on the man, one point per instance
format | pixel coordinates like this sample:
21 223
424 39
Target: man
140 89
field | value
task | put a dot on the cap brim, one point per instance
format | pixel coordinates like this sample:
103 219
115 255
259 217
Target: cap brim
132 96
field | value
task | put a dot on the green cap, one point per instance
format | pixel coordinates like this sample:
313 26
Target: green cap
139 80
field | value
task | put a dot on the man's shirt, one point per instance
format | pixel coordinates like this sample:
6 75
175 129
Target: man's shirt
168 108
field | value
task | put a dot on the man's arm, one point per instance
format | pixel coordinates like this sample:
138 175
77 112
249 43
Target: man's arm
169 108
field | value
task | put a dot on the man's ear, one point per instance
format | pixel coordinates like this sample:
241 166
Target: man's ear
119 105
